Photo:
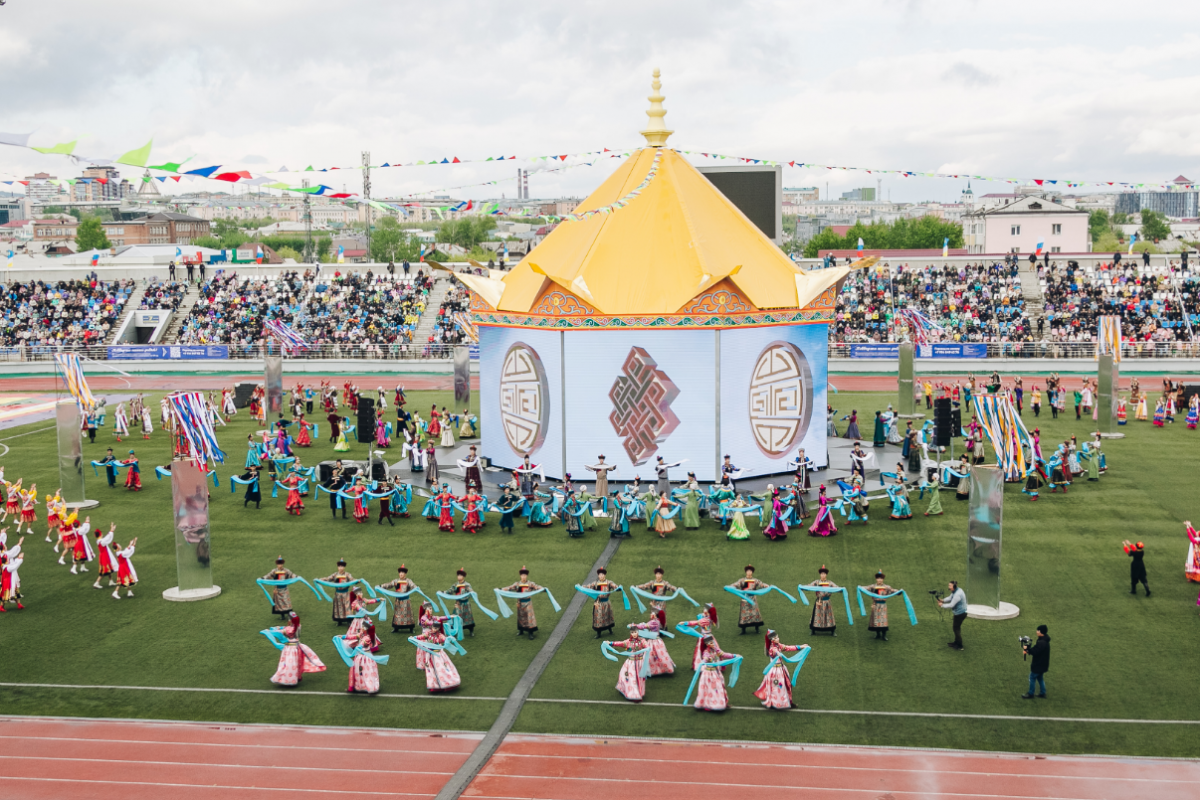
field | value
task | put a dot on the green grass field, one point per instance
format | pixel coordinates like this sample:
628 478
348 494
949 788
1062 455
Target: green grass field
1114 656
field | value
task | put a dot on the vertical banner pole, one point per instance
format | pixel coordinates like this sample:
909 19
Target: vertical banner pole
70 455
984 532
906 406
193 555
462 375
274 380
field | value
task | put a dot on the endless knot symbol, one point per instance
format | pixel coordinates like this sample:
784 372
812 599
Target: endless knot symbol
641 399
780 398
524 399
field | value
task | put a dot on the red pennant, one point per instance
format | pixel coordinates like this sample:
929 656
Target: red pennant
791 163
563 158
176 178
456 161
1038 181
102 180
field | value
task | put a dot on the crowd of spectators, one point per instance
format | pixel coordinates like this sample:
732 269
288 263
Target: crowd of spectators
350 314
446 331
162 295
66 314
971 303
1150 300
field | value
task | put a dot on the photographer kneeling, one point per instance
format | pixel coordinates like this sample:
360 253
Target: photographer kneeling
1040 665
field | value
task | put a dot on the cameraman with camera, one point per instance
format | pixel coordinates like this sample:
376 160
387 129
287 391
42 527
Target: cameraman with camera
957 603
1040 665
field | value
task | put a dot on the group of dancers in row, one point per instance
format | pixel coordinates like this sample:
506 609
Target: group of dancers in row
359 605
72 539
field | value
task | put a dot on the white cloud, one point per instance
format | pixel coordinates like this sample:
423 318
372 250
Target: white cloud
1083 90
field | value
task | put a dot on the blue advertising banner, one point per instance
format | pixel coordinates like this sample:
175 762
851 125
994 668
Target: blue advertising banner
938 350
874 351
473 351
126 352
950 350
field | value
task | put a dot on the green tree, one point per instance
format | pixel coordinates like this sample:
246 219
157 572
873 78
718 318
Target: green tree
1154 226
1099 224
287 252
1120 218
467 232
90 235
926 233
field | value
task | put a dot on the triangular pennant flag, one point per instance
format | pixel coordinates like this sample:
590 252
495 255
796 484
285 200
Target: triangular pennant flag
456 161
445 161
171 166
138 157
63 149
310 168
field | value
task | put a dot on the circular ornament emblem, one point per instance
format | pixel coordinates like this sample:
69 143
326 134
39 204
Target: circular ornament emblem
524 399
781 398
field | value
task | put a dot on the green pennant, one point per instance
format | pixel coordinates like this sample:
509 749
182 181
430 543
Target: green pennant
138 157
309 168
171 166
63 149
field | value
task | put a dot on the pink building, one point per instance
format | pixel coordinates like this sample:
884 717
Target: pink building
1020 226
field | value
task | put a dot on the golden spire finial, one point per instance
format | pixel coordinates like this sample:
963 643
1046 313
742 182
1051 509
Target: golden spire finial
656 132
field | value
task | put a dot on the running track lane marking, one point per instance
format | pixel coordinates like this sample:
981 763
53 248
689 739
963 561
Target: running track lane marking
486 748
624 703
333 792
287 767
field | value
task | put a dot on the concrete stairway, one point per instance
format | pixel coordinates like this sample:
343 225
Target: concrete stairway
426 323
171 334
1031 290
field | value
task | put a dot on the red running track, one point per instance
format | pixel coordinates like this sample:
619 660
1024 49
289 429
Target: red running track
62 759
567 768
53 759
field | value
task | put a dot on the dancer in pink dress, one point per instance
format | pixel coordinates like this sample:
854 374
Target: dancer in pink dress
775 691
440 673
823 525
364 667
295 658
710 680
702 627
659 660
631 682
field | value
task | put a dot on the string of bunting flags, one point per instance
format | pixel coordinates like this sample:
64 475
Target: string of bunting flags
72 373
288 339
651 174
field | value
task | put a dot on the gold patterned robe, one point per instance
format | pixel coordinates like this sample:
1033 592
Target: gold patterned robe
602 613
526 619
341 596
822 615
462 608
402 617
879 614
282 596
749 613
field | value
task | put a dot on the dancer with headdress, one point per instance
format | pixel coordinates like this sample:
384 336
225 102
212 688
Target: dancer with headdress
10 577
823 620
748 589
879 610
440 673
523 591
1191 569
106 561
601 590
341 597
775 691
631 682
463 596
702 626
824 524
127 576
898 492
601 469
709 681
295 659
356 651
402 613
657 591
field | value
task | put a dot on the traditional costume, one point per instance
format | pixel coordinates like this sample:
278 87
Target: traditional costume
526 618
281 595
602 613
824 524
342 595
601 469
775 691
133 478
1191 568
126 574
710 679
879 611
295 659
631 682
749 612
823 620
440 672
402 613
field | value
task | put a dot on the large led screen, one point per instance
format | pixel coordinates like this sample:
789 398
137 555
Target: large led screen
773 394
520 406
636 395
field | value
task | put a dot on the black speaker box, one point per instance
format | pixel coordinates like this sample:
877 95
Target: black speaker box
241 394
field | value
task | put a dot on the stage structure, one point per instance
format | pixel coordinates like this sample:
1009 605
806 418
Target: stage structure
656 320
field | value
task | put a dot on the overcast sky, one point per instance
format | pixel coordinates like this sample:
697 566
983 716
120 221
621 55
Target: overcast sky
1090 90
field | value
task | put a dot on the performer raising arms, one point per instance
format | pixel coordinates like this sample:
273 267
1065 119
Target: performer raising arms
126 574
601 469
28 508
295 659
105 558
775 691
10 578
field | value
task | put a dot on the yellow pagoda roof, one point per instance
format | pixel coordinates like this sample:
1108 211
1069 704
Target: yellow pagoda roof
676 238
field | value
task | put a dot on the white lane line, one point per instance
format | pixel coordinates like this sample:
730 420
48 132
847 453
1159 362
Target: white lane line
881 754
627 704
275 692
339 793
219 764
401 747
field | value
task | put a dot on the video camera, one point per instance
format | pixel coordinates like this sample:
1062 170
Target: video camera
1025 643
